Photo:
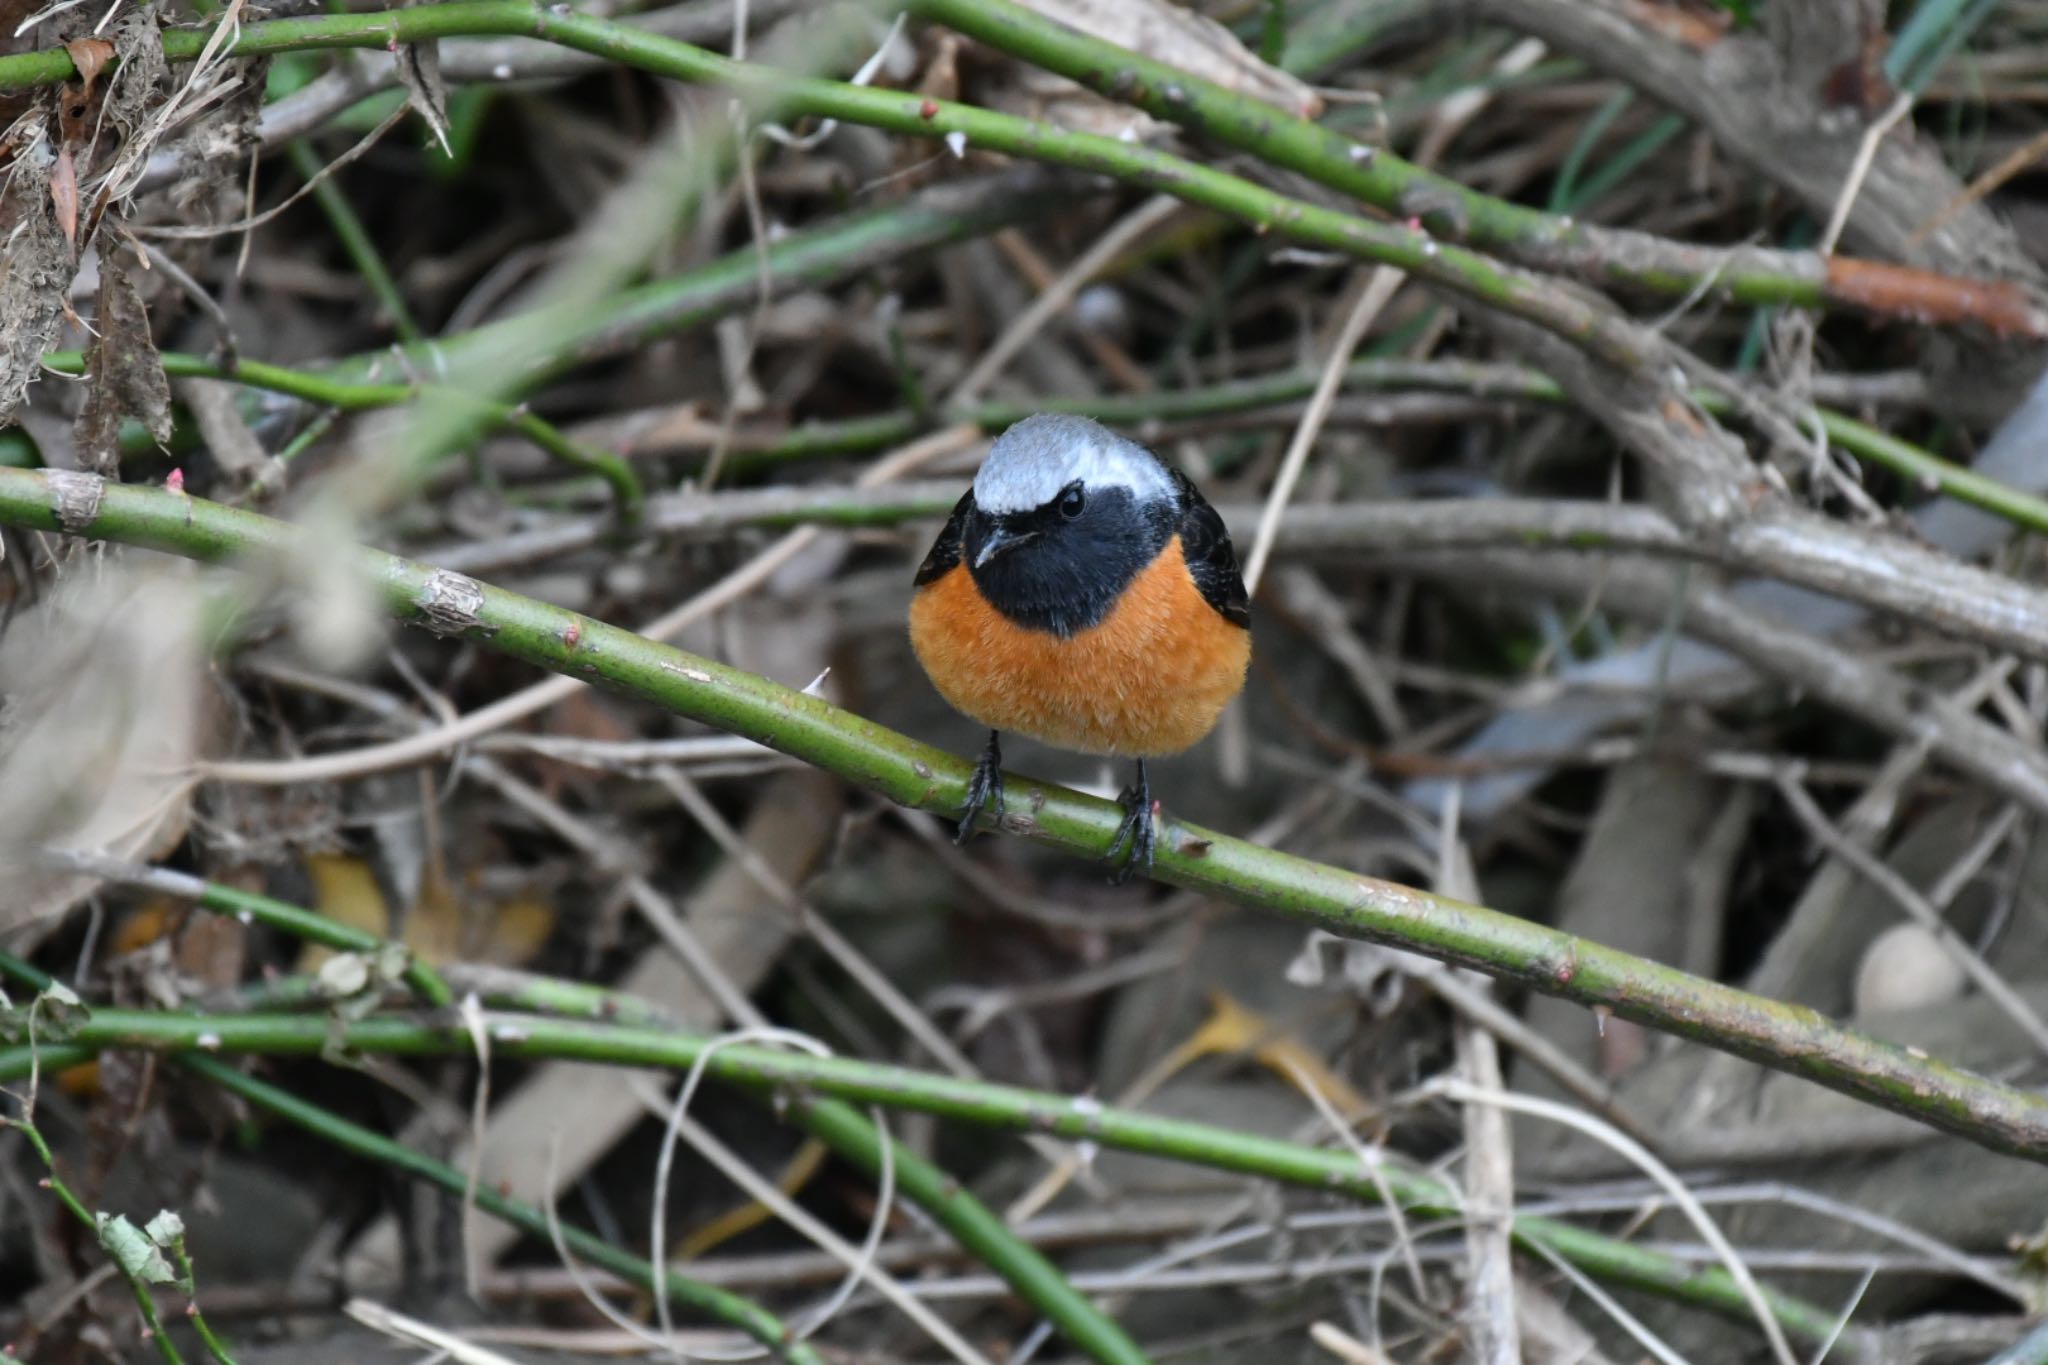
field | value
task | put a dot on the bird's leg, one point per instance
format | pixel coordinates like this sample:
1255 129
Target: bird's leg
985 788
1137 829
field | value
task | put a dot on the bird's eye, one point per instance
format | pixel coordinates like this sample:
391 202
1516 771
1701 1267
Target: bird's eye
1072 501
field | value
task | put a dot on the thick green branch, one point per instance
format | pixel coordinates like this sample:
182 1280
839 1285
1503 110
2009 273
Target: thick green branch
716 1304
850 1080
809 258
251 908
1450 210
1787 1037
840 1125
1596 329
347 395
1455 212
1473 379
1197 1144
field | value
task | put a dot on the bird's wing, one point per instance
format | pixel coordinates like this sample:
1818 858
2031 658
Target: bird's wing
1211 560
945 551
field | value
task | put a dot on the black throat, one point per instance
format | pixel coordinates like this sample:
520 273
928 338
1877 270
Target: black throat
1069 574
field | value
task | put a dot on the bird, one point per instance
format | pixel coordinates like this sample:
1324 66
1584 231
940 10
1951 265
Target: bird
1083 593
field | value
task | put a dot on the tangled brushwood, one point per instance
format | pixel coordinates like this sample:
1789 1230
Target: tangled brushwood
477 859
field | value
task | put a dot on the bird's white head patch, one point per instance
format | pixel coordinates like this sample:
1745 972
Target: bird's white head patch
1029 464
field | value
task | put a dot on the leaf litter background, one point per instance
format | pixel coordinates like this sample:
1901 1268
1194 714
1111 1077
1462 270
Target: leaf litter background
1542 739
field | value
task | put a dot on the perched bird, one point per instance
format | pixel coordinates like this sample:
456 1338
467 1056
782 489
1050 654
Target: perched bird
1084 594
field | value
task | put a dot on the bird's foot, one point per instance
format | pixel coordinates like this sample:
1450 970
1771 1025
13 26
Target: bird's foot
1139 830
984 789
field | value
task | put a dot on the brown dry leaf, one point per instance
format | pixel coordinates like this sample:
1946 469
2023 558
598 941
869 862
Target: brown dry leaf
587 715
90 56
78 112
124 374
208 949
236 451
38 270
104 711
1180 37
1696 30
77 119
64 197
941 79
419 66
1042 97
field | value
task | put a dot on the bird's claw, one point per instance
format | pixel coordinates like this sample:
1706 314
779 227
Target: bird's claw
1139 829
984 790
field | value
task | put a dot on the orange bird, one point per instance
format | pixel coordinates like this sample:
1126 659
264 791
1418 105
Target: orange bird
1083 593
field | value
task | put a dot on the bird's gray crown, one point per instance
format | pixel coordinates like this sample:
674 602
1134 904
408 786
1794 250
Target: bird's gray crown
1029 464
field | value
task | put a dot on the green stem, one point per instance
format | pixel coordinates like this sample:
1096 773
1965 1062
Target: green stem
350 395
851 1081
355 239
323 422
807 259
976 1227
810 258
1197 1144
627 494
717 1304
1378 177
145 1300
841 1126
250 907
215 1347
1931 472
1475 379
1591 326
1451 210
1787 1037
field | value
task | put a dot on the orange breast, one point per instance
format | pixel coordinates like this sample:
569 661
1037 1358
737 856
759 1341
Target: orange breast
1147 680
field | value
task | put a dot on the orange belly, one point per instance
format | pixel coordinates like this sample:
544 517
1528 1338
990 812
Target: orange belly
1148 680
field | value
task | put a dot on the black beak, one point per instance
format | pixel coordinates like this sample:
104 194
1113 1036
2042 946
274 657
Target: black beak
996 539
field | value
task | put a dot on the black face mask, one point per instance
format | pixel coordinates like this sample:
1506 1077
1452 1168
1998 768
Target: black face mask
1060 568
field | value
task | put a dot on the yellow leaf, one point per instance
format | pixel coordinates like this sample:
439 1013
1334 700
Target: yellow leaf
442 926
346 891
796 1173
